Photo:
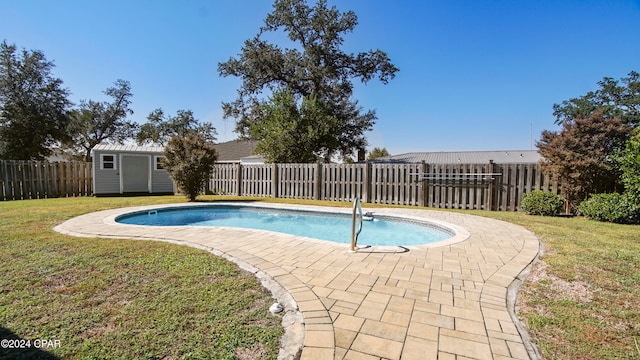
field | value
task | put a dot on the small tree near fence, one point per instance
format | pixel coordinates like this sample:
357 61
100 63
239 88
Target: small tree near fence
581 155
189 160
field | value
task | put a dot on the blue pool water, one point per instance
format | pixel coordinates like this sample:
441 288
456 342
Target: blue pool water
382 231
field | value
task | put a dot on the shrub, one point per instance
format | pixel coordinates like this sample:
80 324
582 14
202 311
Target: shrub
613 207
629 162
189 160
540 202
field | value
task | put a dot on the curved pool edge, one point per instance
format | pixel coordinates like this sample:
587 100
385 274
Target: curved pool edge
458 233
515 248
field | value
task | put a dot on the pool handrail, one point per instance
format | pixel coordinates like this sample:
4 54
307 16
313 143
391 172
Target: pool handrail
357 210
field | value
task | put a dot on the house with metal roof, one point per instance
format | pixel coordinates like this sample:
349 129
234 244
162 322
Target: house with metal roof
465 157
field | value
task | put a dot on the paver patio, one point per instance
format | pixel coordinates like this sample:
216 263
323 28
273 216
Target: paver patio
450 300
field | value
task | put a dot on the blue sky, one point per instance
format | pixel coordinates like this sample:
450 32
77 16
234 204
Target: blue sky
474 74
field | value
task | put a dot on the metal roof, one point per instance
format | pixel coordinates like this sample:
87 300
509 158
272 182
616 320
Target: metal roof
128 148
465 157
230 151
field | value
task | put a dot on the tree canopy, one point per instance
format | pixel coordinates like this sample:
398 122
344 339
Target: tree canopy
94 122
33 105
595 128
580 155
292 134
315 67
159 128
616 99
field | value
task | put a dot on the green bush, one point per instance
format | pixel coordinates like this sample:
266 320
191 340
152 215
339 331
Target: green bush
629 162
189 160
614 208
540 202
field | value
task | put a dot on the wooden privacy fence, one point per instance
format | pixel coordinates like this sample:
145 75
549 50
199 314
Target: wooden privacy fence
21 180
449 186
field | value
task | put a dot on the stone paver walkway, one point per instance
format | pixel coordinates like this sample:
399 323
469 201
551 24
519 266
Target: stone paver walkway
444 301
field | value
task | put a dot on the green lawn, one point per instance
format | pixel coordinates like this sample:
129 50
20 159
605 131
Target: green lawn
105 298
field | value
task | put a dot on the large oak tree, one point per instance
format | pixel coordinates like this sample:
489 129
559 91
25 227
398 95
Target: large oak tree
288 133
160 128
615 99
314 66
94 122
33 105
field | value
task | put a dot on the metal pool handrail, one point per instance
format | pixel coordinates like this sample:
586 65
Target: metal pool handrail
354 234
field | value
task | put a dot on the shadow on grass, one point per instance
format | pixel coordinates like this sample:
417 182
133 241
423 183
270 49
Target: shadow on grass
15 347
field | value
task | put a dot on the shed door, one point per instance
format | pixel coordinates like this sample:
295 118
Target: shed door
135 173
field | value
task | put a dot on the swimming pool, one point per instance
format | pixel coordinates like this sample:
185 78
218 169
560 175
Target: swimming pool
336 227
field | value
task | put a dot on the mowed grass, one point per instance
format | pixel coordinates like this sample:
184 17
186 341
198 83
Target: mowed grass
126 299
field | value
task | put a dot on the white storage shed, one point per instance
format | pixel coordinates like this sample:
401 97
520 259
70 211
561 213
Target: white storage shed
125 169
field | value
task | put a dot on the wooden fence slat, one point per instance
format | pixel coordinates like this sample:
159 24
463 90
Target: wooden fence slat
22 181
14 181
4 181
40 180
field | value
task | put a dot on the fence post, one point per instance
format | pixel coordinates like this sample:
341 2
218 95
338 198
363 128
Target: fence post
239 180
89 179
490 195
317 182
422 184
274 180
367 182
60 176
54 178
15 185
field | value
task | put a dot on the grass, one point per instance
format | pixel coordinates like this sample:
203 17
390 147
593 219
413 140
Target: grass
138 299
123 298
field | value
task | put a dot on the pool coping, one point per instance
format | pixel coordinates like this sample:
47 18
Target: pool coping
457 233
319 311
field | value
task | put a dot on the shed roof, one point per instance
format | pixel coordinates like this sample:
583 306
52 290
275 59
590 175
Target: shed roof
230 151
128 148
465 157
